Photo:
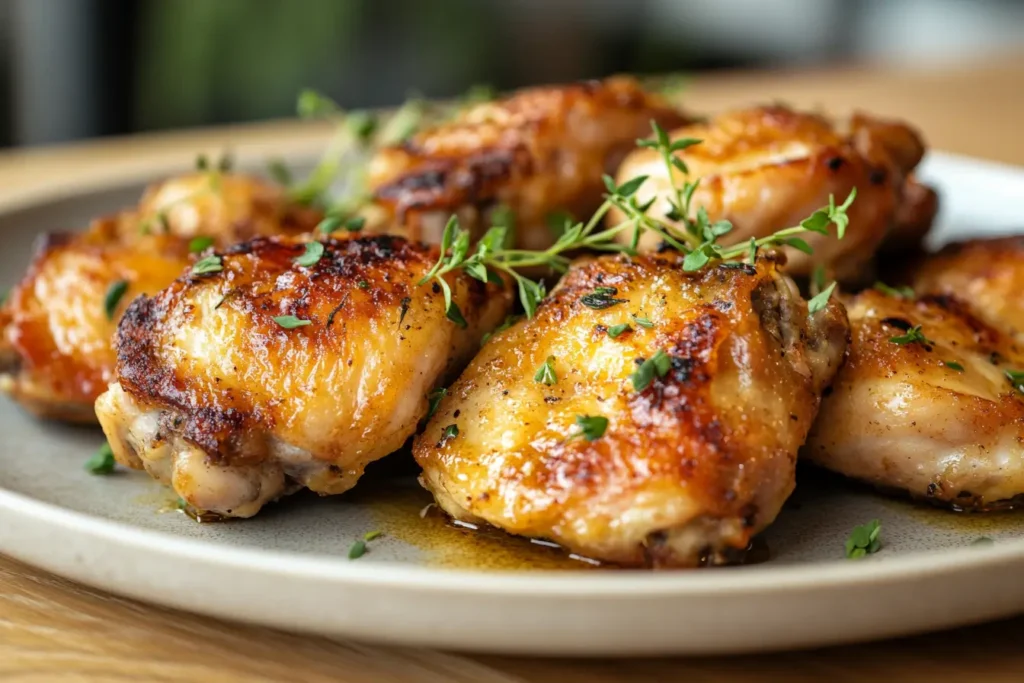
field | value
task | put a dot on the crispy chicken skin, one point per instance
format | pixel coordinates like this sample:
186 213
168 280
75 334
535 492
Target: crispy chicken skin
768 168
987 273
538 151
232 410
900 418
56 354
690 467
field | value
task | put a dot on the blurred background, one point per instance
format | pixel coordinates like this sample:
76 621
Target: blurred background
73 69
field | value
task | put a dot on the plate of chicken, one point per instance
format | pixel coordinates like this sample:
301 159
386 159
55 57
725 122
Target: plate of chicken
530 370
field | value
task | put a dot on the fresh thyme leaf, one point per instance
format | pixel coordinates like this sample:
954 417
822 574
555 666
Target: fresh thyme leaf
657 365
615 330
953 365
1016 378
334 311
558 222
530 295
372 535
357 550
290 322
310 257
329 224
864 540
820 300
115 291
448 433
202 162
913 336
102 461
355 224
798 244
312 104
591 427
210 264
546 372
642 322
198 244
602 298
818 279
629 188
899 292
434 400
363 284
982 540
480 92
404 122
361 125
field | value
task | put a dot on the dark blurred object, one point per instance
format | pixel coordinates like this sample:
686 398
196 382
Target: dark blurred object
78 68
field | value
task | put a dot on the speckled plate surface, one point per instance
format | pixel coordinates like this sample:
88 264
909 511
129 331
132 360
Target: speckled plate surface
428 583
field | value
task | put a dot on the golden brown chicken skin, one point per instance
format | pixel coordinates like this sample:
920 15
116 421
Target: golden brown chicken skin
768 168
986 273
931 413
691 465
539 151
56 352
222 398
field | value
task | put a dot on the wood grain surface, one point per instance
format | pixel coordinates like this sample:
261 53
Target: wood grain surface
52 630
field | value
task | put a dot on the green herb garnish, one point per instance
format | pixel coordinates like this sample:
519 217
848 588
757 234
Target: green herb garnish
602 298
657 365
210 264
615 330
198 244
865 540
642 322
591 427
913 336
820 300
546 372
290 322
102 461
357 550
449 432
953 365
898 292
434 400
310 257
1016 378
982 540
372 535
115 291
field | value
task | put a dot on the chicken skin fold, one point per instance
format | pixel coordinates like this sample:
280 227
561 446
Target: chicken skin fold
928 403
666 443
537 152
768 168
57 326
240 385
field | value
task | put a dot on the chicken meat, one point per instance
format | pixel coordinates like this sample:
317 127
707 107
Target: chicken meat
538 153
645 416
768 168
928 403
57 325
264 375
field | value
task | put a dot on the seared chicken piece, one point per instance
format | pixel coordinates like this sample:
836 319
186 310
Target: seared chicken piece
56 352
924 404
693 461
768 168
233 405
987 273
537 152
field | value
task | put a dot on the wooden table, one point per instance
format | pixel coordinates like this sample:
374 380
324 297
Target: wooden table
52 630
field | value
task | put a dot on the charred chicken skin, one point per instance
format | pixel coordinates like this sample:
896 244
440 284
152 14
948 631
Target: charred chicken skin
240 385
768 168
537 152
928 403
664 443
56 352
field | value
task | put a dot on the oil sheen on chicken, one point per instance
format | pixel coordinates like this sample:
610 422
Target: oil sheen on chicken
930 412
536 152
690 466
56 354
768 168
233 405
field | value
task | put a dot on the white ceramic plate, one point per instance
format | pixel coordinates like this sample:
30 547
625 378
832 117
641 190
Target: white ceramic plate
426 583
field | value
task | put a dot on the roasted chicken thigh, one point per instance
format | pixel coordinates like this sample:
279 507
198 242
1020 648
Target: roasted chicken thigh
278 366
929 403
645 416
57 325
536 152
768 168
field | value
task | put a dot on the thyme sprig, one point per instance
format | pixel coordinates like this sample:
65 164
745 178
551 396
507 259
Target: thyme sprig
683 228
